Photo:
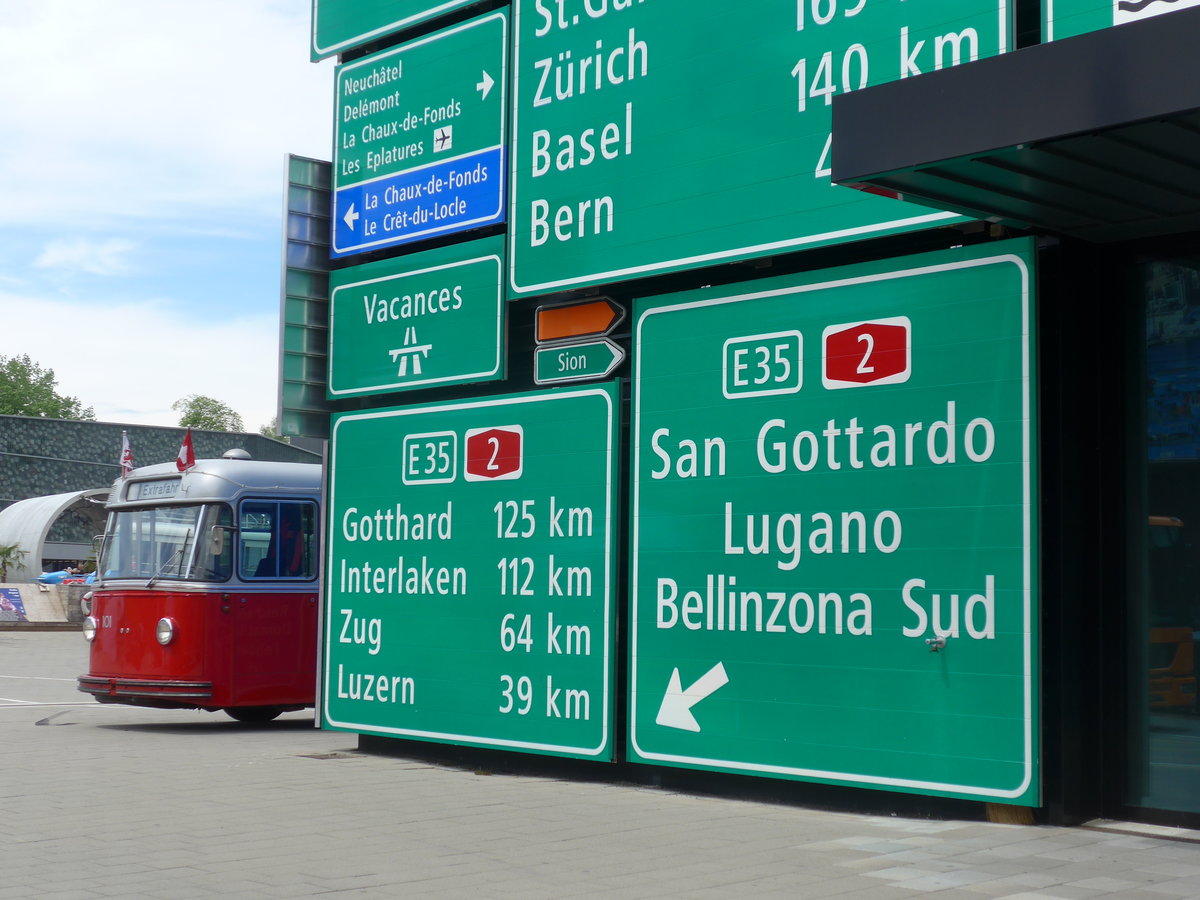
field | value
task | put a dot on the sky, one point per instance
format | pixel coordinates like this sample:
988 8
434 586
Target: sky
143 149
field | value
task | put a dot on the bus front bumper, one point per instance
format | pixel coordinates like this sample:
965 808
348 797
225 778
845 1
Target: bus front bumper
117 689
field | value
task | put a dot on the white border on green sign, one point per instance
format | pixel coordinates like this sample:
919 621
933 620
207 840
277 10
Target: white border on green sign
388 28
492 369
665 265
1028 550
501 83
610 501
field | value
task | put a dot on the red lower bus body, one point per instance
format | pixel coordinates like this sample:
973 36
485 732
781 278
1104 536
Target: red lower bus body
235 650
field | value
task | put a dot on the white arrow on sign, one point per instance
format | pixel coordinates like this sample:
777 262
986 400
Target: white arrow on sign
676 709
485 86
350 218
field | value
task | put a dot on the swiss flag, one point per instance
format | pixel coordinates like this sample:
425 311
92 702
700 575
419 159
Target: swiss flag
126 455
187 454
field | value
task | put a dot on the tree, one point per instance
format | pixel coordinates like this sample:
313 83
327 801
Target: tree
199 411
10 555
271 430
26 389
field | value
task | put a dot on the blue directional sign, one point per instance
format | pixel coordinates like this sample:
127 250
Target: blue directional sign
419 138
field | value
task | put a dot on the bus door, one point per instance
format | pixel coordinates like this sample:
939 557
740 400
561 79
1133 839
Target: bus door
275 613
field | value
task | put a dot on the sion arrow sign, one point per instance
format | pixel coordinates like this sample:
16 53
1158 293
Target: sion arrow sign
676 709
576 362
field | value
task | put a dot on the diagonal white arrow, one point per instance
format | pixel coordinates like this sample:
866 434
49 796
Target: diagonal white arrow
350 218
676 709
485 86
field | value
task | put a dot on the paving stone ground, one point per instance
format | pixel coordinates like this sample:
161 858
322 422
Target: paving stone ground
110 801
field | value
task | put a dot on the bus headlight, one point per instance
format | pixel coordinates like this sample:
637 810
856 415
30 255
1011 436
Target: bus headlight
85 603
165 632
89 628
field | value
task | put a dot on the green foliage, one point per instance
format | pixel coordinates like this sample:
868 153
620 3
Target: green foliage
26 389
199 411
10 555
271 430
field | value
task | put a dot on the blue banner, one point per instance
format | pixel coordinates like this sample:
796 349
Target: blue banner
12 608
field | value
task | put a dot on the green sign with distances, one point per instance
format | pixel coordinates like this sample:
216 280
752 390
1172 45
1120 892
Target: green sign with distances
650 137
341 25
418 321
833 570
469 580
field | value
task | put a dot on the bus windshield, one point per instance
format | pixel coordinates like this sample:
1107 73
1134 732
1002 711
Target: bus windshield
169 543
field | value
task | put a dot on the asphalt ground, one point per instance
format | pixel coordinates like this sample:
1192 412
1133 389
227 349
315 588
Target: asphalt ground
114 801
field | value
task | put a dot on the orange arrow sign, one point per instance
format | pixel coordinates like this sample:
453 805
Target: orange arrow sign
595 317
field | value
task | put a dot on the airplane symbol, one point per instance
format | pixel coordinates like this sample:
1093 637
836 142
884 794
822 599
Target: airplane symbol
443 138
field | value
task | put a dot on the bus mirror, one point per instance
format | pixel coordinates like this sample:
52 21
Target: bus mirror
216 540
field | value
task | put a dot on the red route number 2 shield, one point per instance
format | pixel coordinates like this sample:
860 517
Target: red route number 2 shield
859 354
494 454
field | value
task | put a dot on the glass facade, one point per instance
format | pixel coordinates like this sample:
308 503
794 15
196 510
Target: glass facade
1163 747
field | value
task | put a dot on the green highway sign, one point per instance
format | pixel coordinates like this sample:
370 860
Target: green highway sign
417 321
833 527
1065 18
419 134
576 362
469 582
649 138
340 25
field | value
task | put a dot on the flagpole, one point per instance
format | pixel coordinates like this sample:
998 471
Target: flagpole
126 455
187 454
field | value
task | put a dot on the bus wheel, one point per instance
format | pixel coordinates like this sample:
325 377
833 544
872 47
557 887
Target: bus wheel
254 713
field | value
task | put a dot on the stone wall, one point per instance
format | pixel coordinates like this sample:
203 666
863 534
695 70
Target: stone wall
52 456
47 604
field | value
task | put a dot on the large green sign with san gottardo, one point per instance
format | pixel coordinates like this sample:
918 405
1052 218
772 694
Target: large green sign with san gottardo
469 584
833 551
418 321
654 136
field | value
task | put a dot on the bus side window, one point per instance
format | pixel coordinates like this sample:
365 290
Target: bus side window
257 539
306 559
219 566
278 540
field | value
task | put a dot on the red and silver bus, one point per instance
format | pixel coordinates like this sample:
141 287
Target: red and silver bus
207 592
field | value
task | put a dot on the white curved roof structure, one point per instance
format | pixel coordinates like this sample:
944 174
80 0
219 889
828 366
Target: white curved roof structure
27 523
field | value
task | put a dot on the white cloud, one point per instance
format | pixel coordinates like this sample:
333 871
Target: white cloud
146 108
106 257
133 130
132 360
